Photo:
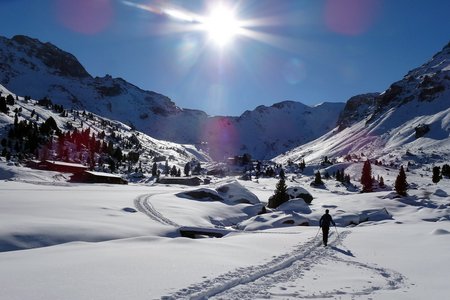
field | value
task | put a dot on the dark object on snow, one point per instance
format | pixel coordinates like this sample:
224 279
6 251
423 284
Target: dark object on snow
190 181
197 232
129 209
202 195
98 177
421 130
324 223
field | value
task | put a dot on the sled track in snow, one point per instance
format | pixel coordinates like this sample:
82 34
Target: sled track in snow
143 205
257 281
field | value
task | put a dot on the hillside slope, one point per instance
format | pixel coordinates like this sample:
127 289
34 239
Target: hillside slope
409 121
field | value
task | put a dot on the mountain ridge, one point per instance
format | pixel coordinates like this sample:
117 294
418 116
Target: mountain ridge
27 70
408 121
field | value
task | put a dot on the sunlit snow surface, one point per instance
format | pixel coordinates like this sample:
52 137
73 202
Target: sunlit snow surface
80 241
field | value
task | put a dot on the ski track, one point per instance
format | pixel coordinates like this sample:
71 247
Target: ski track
256 281
143 205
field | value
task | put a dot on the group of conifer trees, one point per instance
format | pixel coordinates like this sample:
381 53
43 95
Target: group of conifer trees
368 181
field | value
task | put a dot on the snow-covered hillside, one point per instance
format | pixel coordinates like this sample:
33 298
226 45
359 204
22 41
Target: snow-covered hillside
149 149
29 67
409 122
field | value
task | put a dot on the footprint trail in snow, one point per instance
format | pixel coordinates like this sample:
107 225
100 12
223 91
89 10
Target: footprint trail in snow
284 277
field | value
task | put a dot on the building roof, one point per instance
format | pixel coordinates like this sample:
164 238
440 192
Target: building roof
103 174
66 164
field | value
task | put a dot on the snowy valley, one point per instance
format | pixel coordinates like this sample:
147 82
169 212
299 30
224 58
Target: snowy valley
65 239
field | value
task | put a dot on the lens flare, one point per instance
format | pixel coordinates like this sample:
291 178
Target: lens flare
294 71
222 138
84 16
351 17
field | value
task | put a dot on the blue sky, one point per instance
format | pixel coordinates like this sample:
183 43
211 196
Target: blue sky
306 51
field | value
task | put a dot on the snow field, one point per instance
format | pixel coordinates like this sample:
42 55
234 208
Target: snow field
80 241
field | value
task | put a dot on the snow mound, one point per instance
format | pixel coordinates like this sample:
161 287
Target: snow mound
377 215
230 193
202 194
440 231
347 219
273 220
299 192
440 193
235 193
297 205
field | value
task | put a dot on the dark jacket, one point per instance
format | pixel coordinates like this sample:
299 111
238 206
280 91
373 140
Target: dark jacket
326 220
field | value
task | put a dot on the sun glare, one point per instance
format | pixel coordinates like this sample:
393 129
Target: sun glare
221 25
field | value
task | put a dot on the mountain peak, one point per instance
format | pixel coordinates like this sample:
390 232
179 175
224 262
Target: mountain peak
62 63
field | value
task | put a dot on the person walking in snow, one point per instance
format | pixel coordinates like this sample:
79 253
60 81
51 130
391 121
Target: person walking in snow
324 223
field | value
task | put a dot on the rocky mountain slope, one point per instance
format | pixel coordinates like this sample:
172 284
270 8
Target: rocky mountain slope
410 121
30 67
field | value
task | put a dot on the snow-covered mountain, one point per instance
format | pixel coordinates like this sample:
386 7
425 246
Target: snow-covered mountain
119 134
410 121
30 67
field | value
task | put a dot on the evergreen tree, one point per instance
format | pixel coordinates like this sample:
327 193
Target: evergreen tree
347 178
118 154
197 169
154 169
112 166
173 171
280 195
318 179
366 177
3 107
282 174
436 174
445 170
381 184
133 157
400 183
302 165
338 176
187 168
258 167
10 100
166 168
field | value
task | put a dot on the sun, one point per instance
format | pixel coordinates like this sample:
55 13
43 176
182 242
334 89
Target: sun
221 25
